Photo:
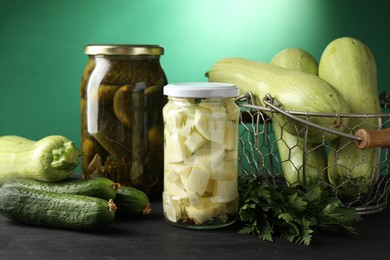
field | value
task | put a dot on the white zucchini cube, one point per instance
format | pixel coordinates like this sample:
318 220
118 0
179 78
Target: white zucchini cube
197 181
211 124
232 111
225 170
205 158
187 128
202 214
184 178
172 176
217 127
201 122
175 190
172 209
194 198
180 168
179 117
175 149
194 142
231 136
225 190
213 107
209 188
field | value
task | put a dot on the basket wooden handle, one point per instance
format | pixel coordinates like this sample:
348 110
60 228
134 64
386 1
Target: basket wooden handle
373 138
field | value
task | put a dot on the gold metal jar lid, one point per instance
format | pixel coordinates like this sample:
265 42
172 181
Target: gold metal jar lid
123 49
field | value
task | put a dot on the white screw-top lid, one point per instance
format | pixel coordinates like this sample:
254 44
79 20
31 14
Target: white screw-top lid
201 90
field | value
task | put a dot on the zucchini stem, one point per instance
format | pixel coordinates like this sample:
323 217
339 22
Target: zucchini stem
65 157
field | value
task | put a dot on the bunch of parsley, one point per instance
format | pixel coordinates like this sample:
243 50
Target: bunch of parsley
292 213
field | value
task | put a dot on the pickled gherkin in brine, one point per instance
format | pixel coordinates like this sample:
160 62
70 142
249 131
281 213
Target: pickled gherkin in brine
121 119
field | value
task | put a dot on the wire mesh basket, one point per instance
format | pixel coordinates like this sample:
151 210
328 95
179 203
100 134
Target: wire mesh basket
268 147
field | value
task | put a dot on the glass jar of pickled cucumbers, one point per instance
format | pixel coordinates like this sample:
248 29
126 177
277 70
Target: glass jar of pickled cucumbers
121 120
200 155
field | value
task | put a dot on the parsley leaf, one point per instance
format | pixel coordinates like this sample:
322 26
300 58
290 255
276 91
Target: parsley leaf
291 213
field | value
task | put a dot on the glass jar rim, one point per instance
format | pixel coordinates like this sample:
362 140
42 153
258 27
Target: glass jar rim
201 90
123 49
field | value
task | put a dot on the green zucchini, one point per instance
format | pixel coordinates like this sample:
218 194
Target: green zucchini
296 59
57 210
132 202
349 65
50 159
300 166
99 187
294 90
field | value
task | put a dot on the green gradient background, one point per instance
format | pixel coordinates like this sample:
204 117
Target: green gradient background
42 58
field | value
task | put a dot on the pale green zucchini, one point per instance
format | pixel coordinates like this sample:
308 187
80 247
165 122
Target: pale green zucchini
349 65
296 59
294 90
51 159
300 166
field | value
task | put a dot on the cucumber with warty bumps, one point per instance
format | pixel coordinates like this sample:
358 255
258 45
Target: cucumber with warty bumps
132 202
57 210
99 187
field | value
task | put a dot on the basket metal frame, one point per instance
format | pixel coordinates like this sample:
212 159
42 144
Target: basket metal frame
259 155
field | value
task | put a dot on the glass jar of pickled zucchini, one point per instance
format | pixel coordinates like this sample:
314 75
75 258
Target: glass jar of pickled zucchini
121 120
200 155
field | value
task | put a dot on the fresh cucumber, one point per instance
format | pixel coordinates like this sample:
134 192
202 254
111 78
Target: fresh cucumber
57 210
131 202
98 187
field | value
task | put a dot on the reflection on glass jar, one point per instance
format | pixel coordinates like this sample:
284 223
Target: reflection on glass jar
200 151
121 115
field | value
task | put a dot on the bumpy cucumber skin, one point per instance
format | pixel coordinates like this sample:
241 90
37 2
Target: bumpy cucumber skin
132 202
56 210
99 187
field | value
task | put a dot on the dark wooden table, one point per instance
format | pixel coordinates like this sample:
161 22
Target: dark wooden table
153 238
